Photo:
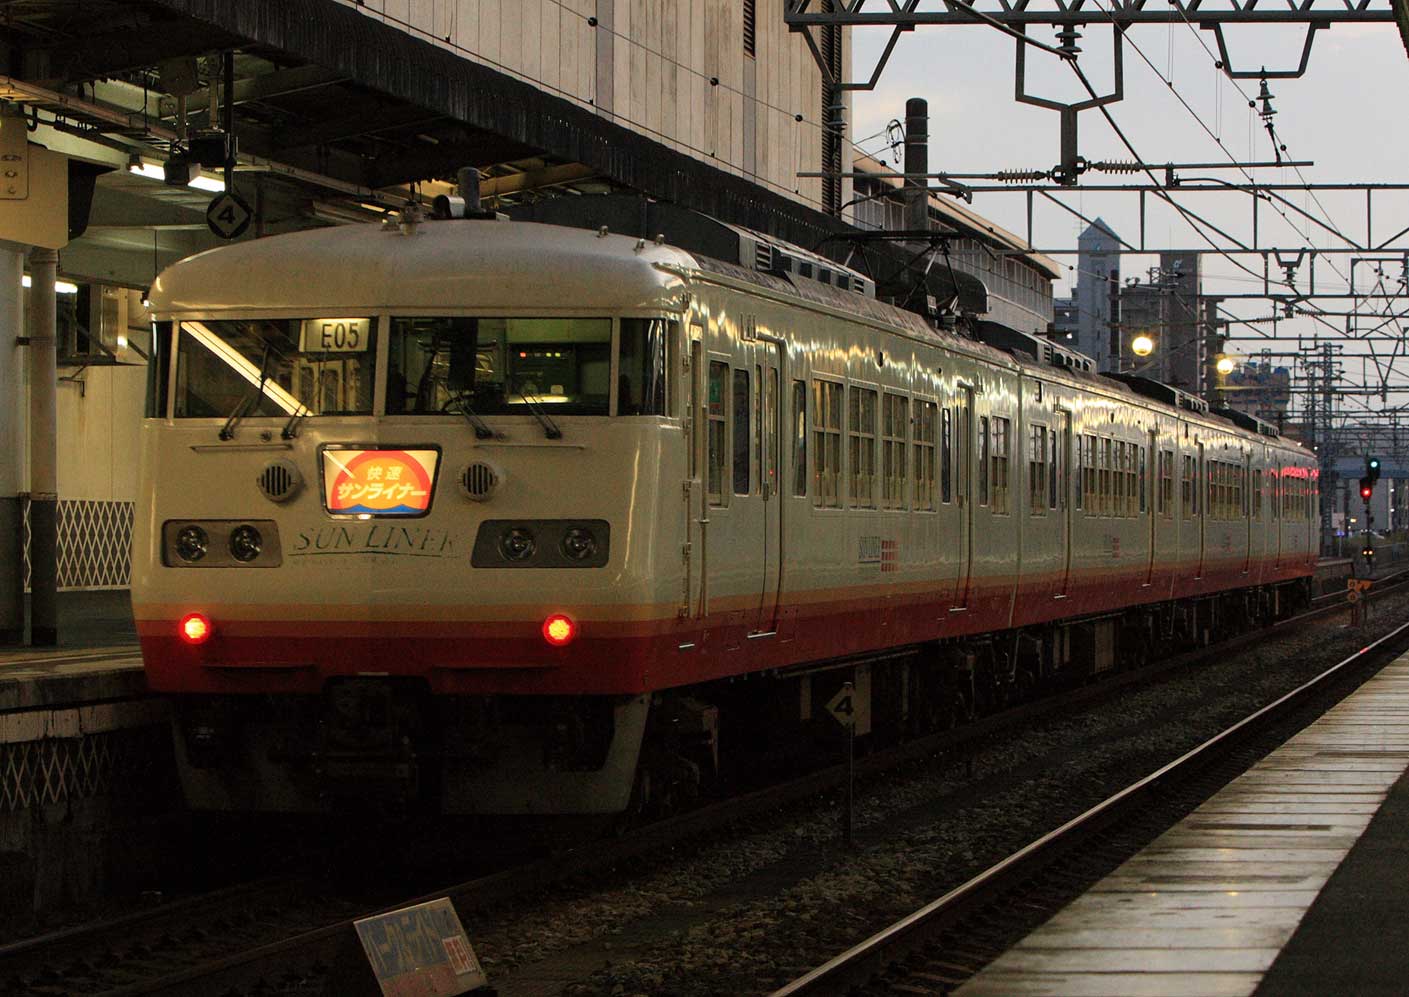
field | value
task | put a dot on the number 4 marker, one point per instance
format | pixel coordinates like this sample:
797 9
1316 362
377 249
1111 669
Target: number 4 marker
842 706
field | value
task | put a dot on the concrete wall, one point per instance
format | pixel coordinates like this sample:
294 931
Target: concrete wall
647 65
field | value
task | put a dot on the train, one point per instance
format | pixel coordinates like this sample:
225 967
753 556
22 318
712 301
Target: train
507 518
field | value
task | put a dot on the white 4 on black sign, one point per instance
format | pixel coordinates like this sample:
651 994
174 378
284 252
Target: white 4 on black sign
228 215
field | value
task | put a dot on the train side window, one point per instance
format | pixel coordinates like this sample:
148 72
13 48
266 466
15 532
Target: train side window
1186 487
861 449
1144 507
1132 479
1037 470
718 416
742 403
641 366
981 465
1104 488
1166 483
946 459
1002 444
159 371
1081 460
1120 455
799 438
1093 491
1054 495
1257 493
895 425
826 435
925 416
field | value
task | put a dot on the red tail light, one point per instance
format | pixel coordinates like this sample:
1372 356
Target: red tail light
195 628
559 630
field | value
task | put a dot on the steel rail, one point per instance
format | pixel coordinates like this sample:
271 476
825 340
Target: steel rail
864 961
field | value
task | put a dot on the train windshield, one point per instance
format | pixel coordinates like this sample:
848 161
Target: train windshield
277 367
513 365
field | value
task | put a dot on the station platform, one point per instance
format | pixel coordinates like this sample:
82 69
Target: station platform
96 660
1289 881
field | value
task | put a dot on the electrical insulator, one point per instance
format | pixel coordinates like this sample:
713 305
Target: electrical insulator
1021 176
1116 166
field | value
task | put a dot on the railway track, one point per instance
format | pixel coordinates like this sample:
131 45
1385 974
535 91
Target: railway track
241 939
939 946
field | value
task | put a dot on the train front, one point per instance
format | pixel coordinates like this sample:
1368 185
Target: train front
401 531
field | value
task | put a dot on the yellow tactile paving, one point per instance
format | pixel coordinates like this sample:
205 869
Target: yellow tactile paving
1205 909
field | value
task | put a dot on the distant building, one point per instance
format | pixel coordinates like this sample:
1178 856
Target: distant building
1064 320
1259 389
1095 304
1171 309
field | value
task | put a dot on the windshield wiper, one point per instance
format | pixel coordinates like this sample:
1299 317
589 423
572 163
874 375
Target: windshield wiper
227 431
291 427
550 428
481 428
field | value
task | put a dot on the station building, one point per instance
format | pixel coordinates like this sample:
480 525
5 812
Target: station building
122 115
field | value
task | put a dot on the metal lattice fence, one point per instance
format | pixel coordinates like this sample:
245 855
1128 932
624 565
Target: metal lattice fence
129 763
95 543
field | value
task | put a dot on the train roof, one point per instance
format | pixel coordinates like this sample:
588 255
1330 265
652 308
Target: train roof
371 267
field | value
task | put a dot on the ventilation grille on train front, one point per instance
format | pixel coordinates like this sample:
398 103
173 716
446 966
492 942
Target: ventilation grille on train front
479 481
280 481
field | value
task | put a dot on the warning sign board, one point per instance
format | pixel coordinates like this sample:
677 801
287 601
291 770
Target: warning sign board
421 951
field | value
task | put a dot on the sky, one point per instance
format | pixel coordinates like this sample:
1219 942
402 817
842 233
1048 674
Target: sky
1346 114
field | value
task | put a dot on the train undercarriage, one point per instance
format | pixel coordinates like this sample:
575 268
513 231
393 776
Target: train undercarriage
388 744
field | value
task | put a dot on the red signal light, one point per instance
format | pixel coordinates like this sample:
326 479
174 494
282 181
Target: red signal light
195 628
560 630
1365 493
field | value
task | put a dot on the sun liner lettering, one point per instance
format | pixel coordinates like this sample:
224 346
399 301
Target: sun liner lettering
374 538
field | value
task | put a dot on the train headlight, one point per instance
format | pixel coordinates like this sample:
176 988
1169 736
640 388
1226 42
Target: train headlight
517 544
579 544
245 543
192 543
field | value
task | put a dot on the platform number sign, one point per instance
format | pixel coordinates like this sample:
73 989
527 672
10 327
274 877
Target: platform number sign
228 215
842 706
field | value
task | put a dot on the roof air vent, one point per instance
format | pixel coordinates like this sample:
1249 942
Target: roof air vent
479 481
280 480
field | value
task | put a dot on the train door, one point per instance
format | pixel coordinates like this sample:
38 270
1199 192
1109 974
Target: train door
1065 496
768 416
1201 507
1149 485
964 495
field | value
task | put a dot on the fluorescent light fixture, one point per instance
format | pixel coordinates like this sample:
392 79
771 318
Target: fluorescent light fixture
241 365
60 286
154 171
149 170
